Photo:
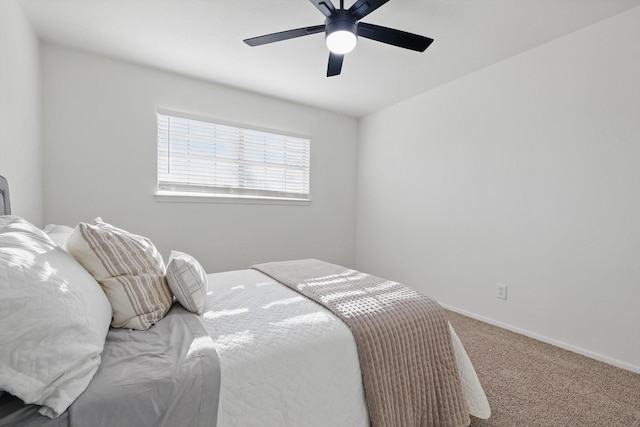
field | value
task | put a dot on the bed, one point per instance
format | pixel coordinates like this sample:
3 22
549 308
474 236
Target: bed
249 351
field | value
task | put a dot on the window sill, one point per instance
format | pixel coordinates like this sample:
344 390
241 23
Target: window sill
178 197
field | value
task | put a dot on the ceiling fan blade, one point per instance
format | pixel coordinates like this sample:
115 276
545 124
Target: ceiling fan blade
284 35
362 8
335 64
324 6
394 37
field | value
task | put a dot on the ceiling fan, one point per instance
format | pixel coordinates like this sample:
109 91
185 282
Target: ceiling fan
342 28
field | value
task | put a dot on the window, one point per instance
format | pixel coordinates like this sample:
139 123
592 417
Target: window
196 156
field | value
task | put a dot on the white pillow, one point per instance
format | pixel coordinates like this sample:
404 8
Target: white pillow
188 281
53 319
128 267
58 233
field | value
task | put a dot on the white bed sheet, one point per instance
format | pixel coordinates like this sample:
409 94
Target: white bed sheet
287 361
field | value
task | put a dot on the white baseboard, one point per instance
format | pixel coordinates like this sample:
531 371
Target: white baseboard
563 345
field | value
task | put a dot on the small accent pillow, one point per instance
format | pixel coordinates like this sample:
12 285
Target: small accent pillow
128 267
188 281
53 319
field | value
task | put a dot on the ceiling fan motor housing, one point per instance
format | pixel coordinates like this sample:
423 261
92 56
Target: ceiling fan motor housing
341 20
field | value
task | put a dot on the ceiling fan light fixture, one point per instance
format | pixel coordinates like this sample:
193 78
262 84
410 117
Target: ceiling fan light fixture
341 41
341 29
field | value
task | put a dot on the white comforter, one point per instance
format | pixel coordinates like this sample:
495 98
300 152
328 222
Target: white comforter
287 361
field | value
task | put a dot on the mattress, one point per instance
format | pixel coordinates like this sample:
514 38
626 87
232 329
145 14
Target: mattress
285 359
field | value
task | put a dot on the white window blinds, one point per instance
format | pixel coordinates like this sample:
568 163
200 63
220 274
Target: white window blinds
196 156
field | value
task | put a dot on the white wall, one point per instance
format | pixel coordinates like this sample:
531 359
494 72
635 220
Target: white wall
100 160
525 173
20 119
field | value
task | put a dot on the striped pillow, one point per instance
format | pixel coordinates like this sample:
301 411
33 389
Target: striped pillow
188 281
128 267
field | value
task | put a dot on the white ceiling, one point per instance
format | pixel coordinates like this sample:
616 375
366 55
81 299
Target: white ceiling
203 39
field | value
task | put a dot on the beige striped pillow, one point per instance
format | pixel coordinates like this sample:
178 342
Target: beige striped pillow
128 267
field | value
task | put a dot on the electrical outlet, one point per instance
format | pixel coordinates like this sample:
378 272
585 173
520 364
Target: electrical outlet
501 291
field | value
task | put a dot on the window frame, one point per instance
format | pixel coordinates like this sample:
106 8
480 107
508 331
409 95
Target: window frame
165 195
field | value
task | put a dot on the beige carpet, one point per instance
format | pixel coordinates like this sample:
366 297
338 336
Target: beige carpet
531 383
